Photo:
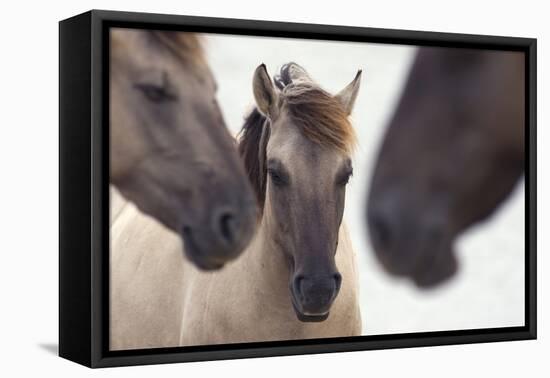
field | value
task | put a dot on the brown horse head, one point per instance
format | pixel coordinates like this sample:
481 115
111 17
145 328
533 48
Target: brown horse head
171 153
296 146
452 153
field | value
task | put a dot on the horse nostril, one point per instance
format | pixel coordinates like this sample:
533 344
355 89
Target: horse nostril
226 224
298 286
380 230
187 232
337 281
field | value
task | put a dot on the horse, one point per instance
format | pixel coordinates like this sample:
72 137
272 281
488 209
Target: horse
453 151
298 278
170 151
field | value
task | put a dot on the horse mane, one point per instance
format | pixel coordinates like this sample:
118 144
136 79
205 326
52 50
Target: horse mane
252 150
186 46
319 116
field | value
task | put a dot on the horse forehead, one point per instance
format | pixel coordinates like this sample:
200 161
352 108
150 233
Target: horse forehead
145 57
128 40
132 55
301 156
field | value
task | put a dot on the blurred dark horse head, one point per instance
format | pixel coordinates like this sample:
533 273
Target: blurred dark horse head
453 152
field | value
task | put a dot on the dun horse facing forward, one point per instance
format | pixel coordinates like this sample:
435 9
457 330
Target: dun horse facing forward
299 266
453 152
297 279
171 153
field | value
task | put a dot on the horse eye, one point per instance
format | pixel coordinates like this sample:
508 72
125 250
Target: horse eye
155 93
276 177
345 179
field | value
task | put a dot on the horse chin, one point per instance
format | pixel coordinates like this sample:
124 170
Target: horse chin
309 318
206 265
430 276
429 268
194 253
312 318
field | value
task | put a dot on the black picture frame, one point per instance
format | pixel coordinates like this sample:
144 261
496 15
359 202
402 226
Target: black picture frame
84 193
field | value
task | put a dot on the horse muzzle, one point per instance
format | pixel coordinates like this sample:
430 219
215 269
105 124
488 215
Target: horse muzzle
211 245
312 296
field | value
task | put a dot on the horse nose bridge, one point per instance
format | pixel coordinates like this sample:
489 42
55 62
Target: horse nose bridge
316 239
222 181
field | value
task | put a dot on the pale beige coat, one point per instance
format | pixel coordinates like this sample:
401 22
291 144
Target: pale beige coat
158 299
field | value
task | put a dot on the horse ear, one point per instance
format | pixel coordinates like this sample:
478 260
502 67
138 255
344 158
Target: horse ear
348 95
264 92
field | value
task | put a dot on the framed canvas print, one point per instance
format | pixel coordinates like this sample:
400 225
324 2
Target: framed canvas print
235 188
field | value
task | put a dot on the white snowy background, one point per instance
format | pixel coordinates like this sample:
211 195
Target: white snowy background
489 289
